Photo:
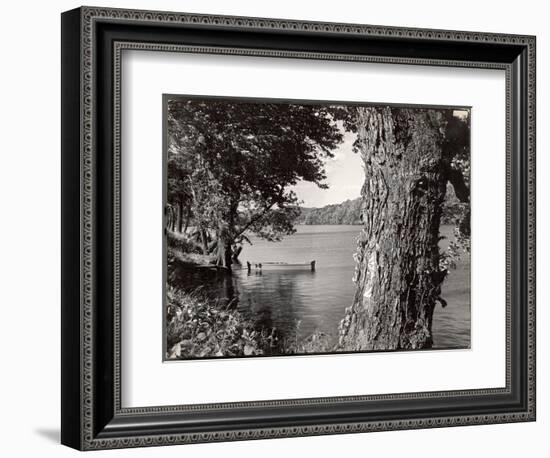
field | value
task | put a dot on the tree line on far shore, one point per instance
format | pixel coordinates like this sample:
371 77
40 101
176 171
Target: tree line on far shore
349 212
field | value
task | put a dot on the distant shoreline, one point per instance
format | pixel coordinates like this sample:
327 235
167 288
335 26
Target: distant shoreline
349 212
345 213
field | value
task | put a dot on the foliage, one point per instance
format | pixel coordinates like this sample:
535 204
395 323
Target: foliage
271 225
198 327
236 162
181 242
454 211
457 148
460 244
317 342
176 256
348 212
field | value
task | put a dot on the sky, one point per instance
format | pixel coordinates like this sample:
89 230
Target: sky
344 176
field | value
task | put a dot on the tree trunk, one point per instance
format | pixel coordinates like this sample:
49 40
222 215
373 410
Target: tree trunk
179 224
397 273
237 252
177 216
172 223
225 237
225 252
187 217
204 241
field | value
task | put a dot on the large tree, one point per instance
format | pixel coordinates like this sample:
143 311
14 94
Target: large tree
409 156
249 156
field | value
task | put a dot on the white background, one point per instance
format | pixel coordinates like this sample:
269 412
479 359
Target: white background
147 76
30 245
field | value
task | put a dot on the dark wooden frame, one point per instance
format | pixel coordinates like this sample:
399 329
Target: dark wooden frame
92 42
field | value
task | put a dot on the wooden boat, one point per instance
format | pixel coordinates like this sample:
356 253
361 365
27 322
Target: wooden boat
280 265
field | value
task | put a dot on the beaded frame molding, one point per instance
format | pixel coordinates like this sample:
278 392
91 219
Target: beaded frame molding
93 40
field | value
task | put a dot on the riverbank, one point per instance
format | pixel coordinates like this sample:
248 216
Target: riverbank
193 259
300 304
200 327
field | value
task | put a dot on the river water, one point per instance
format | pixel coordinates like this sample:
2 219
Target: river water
303 301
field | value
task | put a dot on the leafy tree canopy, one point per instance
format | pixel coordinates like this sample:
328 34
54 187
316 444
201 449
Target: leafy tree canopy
251 154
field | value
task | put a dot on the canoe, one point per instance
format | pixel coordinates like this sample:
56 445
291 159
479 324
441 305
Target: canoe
280 265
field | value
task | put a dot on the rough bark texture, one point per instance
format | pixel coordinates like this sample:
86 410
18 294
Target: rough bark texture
397 273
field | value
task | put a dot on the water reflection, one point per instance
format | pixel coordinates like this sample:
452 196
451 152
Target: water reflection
303 301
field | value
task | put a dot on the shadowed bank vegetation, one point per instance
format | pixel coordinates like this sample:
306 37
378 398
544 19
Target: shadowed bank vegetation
199 327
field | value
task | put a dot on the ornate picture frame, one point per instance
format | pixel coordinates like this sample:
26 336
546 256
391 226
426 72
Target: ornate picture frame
93 40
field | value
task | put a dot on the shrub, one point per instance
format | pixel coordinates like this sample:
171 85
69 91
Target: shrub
200 328
182 243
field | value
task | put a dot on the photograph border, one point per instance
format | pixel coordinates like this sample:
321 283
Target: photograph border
92 42
166 97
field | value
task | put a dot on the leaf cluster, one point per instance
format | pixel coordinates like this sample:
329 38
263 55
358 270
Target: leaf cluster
196 328
237 160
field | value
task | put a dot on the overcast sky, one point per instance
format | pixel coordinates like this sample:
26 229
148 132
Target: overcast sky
344 176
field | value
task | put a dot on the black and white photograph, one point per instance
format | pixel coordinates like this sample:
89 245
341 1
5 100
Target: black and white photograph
271 229
311 227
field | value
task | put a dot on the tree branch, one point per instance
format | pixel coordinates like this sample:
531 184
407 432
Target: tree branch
260 215
253 220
